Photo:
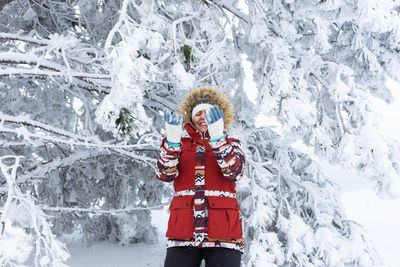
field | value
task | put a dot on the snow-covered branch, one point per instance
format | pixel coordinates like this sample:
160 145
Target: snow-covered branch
87 77
58 135
25 226
235 11
43 169
113 212
173 31
24 38
52 69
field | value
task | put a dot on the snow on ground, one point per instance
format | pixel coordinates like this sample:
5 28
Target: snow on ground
108 254
380 218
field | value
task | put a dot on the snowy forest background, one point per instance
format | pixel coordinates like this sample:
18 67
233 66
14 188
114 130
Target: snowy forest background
83 84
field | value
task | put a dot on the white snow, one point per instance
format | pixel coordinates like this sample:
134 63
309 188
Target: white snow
378 217
107 254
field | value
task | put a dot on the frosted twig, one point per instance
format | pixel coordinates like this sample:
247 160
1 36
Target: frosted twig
34 72
115 29
173 30
54 250
24 38
52 68
114 212
40 170
9 173
205 58
69 72
233 10
339 118
98 144
68 138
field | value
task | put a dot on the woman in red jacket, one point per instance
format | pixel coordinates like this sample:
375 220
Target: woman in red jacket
204 164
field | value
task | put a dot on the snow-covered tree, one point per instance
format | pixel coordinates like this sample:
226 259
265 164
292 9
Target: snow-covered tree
24 226
54 75
83 82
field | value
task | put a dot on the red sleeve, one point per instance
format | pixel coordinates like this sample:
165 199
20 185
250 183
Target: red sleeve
230 158
167 163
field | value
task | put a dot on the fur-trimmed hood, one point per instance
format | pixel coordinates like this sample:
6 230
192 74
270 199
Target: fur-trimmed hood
214 97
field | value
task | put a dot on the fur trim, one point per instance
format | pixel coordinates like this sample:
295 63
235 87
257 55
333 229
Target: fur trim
214 97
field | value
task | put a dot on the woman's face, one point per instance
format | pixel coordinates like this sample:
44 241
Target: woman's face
199 121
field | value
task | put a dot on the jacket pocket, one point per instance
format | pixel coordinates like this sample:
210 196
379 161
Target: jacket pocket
223 218
181 221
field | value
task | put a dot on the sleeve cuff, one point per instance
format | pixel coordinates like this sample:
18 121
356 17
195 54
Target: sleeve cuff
216 139
173 144
217 144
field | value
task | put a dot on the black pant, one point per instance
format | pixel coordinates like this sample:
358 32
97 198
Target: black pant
192 257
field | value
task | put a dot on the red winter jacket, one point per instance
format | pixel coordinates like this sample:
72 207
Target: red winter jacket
205 206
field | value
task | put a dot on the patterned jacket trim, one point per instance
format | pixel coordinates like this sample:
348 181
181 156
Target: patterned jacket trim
207 193
236 244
